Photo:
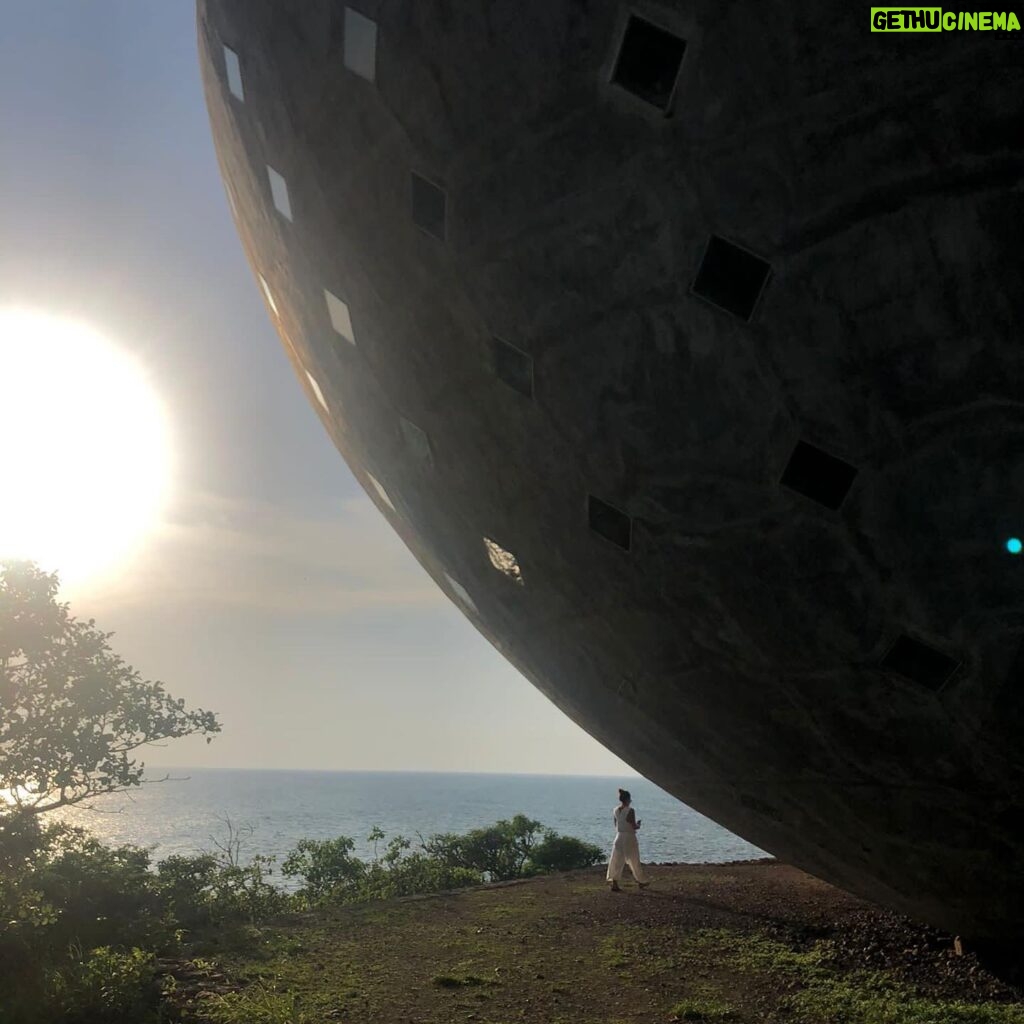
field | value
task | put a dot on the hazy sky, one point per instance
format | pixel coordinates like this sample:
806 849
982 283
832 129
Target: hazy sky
274 593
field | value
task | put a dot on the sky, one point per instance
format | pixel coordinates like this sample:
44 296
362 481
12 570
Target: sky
271 591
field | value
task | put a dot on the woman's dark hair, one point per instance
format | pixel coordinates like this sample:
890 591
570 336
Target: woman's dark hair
624 797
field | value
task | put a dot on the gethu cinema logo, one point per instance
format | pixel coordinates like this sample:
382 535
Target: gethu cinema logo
934 19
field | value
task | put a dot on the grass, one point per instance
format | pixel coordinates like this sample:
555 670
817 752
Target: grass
572 954
258 1004
644 951
703 1008
874 998
858 997
756 952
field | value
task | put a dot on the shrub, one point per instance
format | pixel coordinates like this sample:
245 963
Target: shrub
326 866
243 893
187 885
405 874
499 852
101 895
106 985
563 853
23 908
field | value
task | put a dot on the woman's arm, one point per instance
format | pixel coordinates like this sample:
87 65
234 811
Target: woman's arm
631 818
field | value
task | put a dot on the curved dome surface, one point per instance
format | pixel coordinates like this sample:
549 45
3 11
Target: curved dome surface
680 343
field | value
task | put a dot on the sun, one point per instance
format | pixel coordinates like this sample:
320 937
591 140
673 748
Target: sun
85 453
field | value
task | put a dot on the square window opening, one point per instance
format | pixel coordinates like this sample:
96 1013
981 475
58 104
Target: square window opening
341 321
429 207
279 193
234 72
514 367
360 44
819 476
461 593
417 442
920 663
648 62
731 278
609 522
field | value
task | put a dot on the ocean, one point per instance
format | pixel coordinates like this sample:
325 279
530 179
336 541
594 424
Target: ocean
188 813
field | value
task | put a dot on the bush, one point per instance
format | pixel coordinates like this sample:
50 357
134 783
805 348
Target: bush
62 889
405 874
326 866
563 853
102 896
499 852
106 985
243 893
187 885
23 908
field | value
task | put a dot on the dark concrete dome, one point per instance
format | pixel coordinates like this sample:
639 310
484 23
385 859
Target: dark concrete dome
681 344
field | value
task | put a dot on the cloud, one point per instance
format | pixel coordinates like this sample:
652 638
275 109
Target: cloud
227 553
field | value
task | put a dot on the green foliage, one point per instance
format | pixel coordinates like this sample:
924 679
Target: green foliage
105 986
187 886
760 954
23 907
258 1004
332 875
72 713
499 852
862 997
211 890
873 998
506 850
703 1008
327 868
243 892
400 873
563 853
61 889
103 896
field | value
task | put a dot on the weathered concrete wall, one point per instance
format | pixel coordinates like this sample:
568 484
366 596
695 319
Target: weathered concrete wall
736 652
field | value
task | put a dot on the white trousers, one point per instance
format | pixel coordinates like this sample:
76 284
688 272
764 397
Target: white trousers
625 850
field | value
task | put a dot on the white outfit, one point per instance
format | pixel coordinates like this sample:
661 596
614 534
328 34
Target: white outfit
625 849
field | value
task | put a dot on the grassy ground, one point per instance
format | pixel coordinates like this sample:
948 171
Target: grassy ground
742 943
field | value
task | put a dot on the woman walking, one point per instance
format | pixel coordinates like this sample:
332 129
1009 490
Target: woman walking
625 849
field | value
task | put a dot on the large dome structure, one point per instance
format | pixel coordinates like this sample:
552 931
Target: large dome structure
680 342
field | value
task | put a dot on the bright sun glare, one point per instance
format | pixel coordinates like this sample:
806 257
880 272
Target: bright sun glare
85 454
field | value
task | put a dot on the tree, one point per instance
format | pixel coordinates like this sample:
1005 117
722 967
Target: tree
72 713
325 865
499 851
563 853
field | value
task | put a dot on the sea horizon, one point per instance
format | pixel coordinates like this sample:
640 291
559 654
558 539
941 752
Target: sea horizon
390 771
278 807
